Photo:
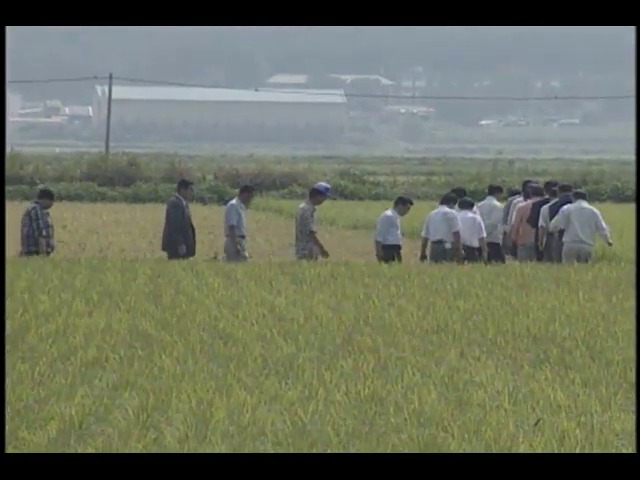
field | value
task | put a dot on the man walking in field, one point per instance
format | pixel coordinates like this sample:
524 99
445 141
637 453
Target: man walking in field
36 227
442 232
544 236
534 216
490 211
179 233
472 232
388 238
235 242
565 197
523 235
307 244
581 223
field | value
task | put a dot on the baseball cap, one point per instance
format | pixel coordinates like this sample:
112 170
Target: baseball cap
322 187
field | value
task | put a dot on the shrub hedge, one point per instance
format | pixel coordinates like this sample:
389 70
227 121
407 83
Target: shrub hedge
146 178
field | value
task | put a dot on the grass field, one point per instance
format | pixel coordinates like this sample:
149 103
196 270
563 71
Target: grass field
109 347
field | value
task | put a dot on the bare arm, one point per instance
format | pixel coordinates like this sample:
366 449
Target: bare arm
381 228
425 240
457 239
482 239
483 247
423 248
603 230
314 238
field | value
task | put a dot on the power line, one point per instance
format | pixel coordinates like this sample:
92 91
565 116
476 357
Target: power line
348 95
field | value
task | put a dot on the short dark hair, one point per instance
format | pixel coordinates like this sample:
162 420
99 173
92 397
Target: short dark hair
494 190
459 192
466 203
448 199
580 195
45 194
553 193
248 189
403 202
549 185
183 184
536 190
526 184
565 188
513 192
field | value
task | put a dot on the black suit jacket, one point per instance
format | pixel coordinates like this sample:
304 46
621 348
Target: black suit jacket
178 229
534 215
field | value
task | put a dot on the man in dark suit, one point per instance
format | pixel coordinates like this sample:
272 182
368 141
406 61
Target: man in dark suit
565 197
179 234
534 216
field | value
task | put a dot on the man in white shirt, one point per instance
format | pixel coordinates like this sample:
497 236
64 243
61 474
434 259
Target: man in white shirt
235 243
388 239
581 223
442 231
472 233
491 210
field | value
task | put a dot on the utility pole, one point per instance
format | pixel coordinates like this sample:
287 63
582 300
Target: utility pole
107 138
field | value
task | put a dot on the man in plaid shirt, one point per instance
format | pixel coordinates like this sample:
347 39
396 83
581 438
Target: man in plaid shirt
36 227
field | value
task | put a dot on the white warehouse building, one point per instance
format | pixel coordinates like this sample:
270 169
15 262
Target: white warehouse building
220 113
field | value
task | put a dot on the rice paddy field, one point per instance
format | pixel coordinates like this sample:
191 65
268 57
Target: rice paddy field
111 348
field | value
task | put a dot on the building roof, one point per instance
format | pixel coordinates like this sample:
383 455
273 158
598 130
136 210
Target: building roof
193 94
349 78
289 79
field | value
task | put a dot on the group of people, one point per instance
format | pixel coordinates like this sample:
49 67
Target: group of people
179 233
545 223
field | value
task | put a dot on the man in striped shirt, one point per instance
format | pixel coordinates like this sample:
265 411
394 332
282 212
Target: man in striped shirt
36 232
523 235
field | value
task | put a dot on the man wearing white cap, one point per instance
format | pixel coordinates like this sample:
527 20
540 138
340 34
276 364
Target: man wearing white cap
308 246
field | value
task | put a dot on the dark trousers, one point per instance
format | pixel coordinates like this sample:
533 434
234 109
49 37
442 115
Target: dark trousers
391 253
495 253
471 254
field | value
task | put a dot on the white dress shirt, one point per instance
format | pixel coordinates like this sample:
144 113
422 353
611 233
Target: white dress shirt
544 215
581 223
471 228
441 224
490 210
234 217
388 230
